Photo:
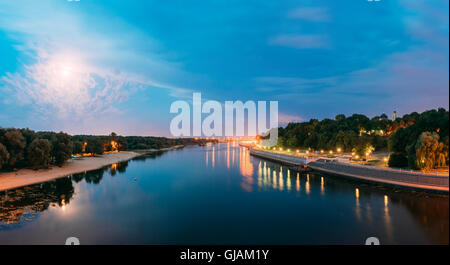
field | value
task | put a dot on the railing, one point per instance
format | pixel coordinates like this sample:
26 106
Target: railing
390 169
358 171
382 174
298 161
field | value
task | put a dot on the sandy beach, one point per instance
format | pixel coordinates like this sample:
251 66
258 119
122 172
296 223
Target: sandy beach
24 177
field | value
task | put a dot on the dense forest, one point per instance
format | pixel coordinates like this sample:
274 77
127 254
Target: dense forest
20 148
415 140
26 148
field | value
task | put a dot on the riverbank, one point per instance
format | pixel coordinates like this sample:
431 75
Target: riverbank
363 173
24 177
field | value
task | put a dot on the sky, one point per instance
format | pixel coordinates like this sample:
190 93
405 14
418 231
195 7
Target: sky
93 67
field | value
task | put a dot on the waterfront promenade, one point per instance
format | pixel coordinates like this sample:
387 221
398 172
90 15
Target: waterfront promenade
386 176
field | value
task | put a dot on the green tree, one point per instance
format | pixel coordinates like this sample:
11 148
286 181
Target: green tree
77 147
15 143
95 146
4 155
340 117
363 146
397 142
62 148
412 157
430 152
39 153
398 160
122 143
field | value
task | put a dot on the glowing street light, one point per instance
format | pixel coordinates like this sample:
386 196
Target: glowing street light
339 150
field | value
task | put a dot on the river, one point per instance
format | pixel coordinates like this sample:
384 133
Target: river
217 194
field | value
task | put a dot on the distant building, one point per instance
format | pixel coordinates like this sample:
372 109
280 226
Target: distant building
394 115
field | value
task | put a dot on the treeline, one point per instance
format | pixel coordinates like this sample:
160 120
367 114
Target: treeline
24 148
355 133
98 144
424 144
416 140
151 142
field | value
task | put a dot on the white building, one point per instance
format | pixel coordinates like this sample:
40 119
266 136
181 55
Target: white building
394 115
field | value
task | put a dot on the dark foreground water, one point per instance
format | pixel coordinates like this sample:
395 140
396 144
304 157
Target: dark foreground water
217 195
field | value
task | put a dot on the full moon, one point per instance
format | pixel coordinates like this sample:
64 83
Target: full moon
66 71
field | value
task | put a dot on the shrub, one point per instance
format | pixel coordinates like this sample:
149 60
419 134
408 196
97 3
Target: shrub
398 160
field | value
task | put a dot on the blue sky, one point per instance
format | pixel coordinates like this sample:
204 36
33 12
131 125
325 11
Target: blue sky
99 66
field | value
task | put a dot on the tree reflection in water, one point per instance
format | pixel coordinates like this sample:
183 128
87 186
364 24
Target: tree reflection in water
24 204
388 211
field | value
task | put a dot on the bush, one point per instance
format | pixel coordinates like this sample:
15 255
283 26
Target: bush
398 160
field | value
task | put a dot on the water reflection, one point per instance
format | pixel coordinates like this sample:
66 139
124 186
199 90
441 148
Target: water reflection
387 219
358 206
24 204
308 200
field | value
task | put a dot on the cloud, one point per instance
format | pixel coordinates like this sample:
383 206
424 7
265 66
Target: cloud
61 85
74 64
301 41
314 14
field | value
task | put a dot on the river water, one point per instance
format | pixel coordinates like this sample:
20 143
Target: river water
217 194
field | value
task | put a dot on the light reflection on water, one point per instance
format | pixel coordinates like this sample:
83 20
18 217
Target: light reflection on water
217 194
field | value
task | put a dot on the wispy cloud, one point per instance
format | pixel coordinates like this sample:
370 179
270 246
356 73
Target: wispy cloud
314 14
301 41
65 87
73 68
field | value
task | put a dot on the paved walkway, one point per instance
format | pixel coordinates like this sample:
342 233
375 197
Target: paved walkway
374 174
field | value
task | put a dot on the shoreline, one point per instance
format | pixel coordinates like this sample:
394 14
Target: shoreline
375 175
25 177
